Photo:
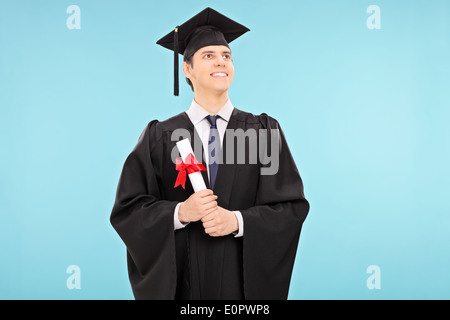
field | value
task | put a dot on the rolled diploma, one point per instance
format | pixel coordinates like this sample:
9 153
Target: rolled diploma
196 178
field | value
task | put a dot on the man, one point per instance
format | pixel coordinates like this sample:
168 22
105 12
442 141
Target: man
238 238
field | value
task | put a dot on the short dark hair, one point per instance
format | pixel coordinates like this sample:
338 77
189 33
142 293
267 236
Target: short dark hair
190 61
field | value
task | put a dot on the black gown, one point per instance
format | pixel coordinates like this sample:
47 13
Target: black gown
187 263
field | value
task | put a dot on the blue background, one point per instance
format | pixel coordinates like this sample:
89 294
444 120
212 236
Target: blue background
365 113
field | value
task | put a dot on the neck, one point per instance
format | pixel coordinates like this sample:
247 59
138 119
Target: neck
211 102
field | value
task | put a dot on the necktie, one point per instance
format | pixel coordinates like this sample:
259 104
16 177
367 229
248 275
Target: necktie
213 149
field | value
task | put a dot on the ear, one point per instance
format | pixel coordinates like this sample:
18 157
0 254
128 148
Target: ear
187 70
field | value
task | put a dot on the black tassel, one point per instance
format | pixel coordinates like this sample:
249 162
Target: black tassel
175 50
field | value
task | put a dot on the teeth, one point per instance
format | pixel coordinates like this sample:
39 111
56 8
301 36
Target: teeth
219 74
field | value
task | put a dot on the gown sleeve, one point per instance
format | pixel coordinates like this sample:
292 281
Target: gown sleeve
273 225
145 222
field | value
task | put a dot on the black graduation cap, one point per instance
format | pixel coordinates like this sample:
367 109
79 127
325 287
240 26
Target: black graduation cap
207 28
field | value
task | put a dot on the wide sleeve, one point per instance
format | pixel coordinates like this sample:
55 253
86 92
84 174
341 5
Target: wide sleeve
145 222
273 225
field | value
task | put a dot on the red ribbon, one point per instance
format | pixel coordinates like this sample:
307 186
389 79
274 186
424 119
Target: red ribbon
190 165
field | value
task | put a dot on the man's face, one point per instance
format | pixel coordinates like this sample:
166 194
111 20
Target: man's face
212 69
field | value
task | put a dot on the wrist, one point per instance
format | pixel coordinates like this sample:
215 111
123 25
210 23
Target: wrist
235 222
181 215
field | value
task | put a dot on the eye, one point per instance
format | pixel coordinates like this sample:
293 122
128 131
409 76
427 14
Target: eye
227 57
207 56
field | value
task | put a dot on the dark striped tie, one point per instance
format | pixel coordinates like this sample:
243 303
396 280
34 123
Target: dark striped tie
213 149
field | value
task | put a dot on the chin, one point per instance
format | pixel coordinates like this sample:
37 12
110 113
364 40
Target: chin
215 87
220 88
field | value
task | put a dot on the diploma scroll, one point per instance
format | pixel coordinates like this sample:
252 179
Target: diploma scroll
196 178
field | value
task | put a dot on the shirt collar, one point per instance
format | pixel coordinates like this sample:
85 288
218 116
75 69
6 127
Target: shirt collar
196 113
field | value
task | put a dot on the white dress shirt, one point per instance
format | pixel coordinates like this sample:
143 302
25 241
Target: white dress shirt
197 116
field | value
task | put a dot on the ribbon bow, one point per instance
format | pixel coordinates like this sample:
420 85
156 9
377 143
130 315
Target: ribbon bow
190 165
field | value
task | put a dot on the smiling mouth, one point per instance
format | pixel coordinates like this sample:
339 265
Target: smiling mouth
219 74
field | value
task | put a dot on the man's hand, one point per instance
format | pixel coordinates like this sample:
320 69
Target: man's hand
197 206
220 222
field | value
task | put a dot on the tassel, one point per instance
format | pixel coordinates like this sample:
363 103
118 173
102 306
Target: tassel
175 50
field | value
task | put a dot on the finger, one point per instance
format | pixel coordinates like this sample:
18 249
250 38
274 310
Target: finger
215 234
207 218
212 210
210 205
210 230
210 214
205 193
210 198
208 224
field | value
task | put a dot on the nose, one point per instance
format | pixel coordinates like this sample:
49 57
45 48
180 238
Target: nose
219 61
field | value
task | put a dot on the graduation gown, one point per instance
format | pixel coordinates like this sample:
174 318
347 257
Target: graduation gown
187 263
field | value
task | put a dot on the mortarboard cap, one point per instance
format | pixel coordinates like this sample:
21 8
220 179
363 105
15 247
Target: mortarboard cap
207 28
